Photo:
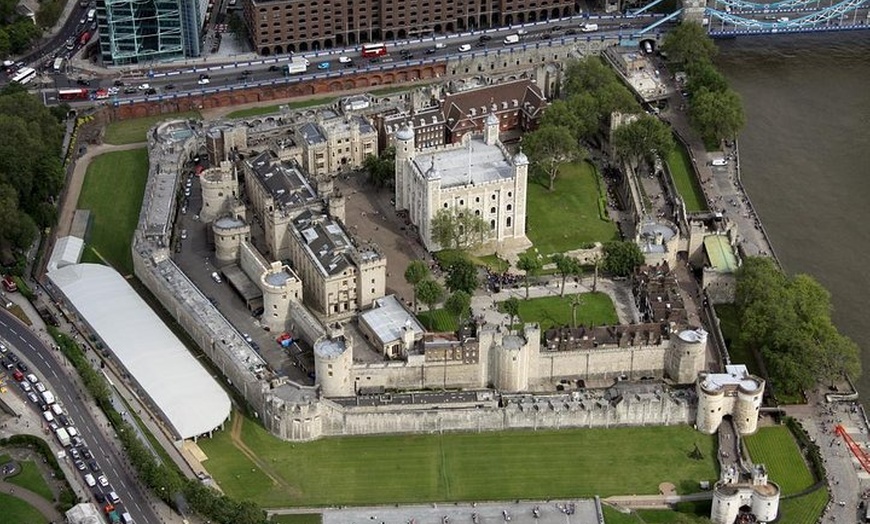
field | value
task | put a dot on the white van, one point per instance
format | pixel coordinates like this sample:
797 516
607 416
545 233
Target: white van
73 432
57 410
89 480
464 47
48 416
511 39
719 162
126 518
91 15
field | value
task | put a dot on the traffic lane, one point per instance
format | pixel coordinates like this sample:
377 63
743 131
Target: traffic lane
40 357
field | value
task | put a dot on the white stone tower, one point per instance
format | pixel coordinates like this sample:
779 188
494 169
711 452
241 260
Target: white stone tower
333 361
229 231
280 286
685 358
512 359
220 189
735 393
404 154
491 130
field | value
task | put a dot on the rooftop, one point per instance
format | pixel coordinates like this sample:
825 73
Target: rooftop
312 133
284 181
388 319
472 163
327 243
720 253
330 347
735 375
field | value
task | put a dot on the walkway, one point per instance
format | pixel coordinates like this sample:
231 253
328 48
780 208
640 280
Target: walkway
43 506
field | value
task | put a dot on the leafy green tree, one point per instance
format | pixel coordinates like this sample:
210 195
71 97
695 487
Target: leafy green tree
416 272
643 139
560 113
462 276
621 258
688 44
458 229
704 75
381 169
531 263
511 306
459 305
567 266
587 115
429 292
716 115
550 146
576 301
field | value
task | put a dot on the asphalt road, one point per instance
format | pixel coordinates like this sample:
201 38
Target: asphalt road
41 361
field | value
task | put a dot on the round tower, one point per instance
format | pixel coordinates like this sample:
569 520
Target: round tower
765 501
404 153
279 287
219 189
686 355
228 235
726 503
711 400
491 129
336 205
333 360
512 364
749 395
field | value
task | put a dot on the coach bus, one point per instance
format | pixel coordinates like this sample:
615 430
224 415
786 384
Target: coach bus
24 75
373 50
72 94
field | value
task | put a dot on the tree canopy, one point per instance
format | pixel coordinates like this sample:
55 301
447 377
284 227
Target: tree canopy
716 115
593 92
621 258
381 169
459 305
428 292
31 172
787 320
688 44
643 139
567 266
462 276
531 263
550 146
458 229
416 272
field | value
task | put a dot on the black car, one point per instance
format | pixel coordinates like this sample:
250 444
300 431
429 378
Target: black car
83 82
99 497
119 83
13 358
556 28
150 91
7 364
22 367
246 73
485 38
374 60
87 454
94 466
274 68
203 76
169 87
431 51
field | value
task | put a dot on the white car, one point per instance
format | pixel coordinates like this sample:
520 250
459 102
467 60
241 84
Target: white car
143 87
216 277
203 81
345 60
89 479
39 387
183 234
464 47
103 480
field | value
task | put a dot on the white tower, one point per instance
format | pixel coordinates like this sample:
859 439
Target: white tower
333 359
491 129
404 154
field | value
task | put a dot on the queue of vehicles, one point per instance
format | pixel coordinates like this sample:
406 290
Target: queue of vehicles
59 423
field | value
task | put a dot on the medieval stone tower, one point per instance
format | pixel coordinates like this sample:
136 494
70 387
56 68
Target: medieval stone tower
220 190
686 356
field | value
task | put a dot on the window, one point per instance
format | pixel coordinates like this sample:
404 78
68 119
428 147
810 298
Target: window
508 221
445 205
509 207
492 209
510 194
461 202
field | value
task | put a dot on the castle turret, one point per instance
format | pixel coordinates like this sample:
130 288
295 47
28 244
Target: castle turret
333 360
686 356
491 130
404 154
220 188
336 205
229 232
280 286
736 393
512 358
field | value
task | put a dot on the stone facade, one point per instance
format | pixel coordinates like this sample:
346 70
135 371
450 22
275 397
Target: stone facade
335 143
736 394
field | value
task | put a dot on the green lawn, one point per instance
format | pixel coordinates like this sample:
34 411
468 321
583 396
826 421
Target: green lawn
728 323
30 478
299 518
612 516
597 309
567 218
680 166
16 510
113 189
493 262
134 130
438 320
275 108
458 466
806 509
776 448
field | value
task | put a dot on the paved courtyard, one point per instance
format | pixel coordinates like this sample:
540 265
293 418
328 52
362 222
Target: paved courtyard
553 512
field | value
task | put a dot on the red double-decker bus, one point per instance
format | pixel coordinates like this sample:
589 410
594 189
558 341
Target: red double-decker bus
373 50
72 94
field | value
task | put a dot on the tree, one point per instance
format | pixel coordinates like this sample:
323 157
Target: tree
511 306
567 266
462 276
705 75
531 264
381 169
416 272
622 258
237 27
688 44
429 292
576 301
458 229
459 305
550 146
643 139
716 115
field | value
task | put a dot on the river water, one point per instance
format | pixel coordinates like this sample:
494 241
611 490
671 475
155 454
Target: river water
805 161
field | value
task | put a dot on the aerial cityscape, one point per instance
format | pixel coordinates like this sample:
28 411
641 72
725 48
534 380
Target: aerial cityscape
269 261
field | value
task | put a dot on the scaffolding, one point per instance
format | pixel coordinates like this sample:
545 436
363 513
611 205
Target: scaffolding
138 31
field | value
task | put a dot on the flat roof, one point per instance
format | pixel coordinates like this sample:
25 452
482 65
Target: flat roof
190 399
283 180
735 375
327 243
473 163
720 253
388 318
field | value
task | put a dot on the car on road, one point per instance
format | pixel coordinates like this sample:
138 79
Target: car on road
103 481
183 234
25 386
216 277
345 60
150 91
431 51
22 366
246 72
119 83
274 68
83 82
323 65
90 481
130 90
39 387
80 465
485 38
464 47
203 81
169 87
86 453
99 497
94 466
33 398
31 377
144 87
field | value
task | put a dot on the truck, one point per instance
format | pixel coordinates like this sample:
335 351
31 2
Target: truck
295 66
588 28
62 436
511 39
48 397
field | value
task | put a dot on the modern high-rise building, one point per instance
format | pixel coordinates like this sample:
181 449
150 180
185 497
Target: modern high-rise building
284 26
144 31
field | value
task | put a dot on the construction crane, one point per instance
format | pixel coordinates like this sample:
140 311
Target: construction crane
856 448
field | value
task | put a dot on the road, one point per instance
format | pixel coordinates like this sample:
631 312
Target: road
42 361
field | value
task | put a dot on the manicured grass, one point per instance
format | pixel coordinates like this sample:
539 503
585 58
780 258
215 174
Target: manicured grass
113 189
729 324
597 309
776 448
390 90
30 478
458 466
299 518
494 263
680 166
612 516
567 217
438 320
666 516
134 130
16 510
272 109
806 509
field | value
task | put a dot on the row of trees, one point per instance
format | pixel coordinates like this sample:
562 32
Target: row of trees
592 91
461 281
787 321
715 110
31 173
